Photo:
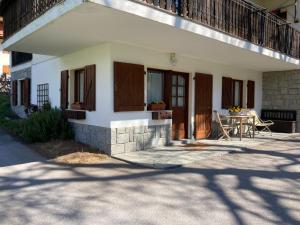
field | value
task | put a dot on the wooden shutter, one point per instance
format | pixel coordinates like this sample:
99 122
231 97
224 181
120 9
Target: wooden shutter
168 89
227 90
250 94
128 87
15 93
90 88
64 89
26 93
203 105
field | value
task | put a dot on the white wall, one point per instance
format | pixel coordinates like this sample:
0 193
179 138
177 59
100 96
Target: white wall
158 60
47 70
4 60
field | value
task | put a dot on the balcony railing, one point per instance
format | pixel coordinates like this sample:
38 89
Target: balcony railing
237 18
18 58
234 17
18 13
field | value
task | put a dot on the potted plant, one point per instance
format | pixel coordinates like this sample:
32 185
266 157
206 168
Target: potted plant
155 106
235 110
77 106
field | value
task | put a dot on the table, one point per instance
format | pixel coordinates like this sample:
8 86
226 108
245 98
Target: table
241 119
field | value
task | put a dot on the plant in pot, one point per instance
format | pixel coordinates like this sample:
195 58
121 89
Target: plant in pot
155 106
77 106
235 110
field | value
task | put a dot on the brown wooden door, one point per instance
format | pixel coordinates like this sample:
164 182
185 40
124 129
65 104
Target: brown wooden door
179 103
203 105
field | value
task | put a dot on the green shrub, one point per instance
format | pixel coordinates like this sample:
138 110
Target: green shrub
4 106
46 125
40 126
13 126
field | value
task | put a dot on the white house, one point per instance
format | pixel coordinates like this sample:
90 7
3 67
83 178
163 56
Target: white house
105 61
4 55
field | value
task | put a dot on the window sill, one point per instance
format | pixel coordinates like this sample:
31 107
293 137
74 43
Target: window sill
75 114
162 115
165 110
77 106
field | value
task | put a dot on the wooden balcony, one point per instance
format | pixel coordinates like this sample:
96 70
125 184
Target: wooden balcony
18 13
236 18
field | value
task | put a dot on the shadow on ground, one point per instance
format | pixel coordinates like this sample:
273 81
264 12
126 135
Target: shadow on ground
253 185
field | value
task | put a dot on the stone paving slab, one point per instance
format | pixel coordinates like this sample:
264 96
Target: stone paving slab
176 156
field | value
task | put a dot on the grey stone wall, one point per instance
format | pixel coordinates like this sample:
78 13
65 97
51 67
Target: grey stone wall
21 74
281 90
17 75
115 141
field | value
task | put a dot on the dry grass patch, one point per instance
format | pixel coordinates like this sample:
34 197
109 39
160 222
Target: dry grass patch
70 152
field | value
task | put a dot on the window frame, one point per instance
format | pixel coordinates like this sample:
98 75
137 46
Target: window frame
163 73
241 94
42 94
77 93
177 96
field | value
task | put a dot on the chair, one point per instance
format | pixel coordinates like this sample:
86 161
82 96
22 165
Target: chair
265 125
247 123
225 129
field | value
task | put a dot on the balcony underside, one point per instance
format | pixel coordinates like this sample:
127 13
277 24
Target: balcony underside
93 23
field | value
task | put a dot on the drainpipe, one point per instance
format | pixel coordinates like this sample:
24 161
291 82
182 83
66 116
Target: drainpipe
296 20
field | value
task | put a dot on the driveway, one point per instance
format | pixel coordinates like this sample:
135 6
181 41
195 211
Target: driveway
254 186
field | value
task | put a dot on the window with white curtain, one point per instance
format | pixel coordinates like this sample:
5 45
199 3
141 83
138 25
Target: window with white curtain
155 81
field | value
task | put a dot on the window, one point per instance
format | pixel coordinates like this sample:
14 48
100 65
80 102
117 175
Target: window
178 91
42 94
155 82
238 93
79 86
232 92
82 86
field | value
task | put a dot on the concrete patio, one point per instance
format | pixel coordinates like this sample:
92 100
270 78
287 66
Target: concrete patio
183 154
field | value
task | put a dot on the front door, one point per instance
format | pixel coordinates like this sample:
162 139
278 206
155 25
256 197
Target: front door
203 105
179 104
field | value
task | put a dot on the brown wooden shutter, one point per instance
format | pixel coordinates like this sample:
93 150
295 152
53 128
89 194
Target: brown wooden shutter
64 89
90 88
241 83
227 96
251 94
168 89
26 93
128 87
15 93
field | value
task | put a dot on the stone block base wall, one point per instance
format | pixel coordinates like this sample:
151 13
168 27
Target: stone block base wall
281 90
115 141
17 75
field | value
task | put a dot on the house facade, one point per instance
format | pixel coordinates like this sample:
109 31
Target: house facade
108 64
4 55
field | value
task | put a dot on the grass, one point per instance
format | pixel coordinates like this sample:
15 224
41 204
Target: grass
69 152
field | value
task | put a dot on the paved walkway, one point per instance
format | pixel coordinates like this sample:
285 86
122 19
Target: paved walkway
259 185
179 155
